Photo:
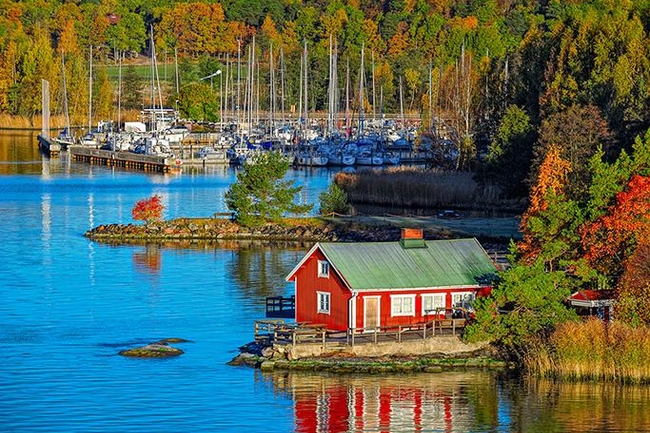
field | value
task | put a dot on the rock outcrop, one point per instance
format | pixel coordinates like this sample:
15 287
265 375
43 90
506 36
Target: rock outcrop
159 349
312 230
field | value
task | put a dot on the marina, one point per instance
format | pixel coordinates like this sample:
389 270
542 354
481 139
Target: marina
168 150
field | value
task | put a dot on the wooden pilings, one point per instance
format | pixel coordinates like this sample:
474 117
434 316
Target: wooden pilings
127 160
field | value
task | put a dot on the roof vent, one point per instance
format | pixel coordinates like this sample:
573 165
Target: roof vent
412 238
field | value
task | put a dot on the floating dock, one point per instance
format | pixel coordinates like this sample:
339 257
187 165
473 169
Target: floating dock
47 146
124 159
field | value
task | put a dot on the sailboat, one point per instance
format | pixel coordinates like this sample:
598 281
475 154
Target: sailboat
89 139
65 138
45 144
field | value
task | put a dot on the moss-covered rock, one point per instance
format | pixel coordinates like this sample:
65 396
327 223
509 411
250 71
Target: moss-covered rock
159 349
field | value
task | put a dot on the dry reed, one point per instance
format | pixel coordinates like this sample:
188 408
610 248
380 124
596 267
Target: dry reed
412 187
592 350
57 121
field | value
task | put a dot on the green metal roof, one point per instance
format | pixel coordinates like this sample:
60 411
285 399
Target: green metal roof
388 265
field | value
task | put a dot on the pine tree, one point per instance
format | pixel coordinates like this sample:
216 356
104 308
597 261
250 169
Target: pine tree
260 194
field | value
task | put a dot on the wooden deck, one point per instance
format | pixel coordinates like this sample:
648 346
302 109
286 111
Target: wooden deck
277 331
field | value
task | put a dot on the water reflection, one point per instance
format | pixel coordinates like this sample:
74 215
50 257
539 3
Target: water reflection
579 407
448 402
259 268
148 261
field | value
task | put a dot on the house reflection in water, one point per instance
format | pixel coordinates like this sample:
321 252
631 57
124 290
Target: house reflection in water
423 402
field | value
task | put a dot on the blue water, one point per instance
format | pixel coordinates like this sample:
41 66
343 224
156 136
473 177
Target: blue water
69 305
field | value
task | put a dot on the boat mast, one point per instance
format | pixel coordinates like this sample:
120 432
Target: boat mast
361 96
330 112
90 89
271 90
347 98
306 87
119 92
374 111
225 98
65 95
282 83
45 108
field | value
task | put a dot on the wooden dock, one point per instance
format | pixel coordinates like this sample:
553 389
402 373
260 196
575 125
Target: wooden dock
277 332
124 159
47 146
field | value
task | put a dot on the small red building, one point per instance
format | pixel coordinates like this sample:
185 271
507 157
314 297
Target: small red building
368 285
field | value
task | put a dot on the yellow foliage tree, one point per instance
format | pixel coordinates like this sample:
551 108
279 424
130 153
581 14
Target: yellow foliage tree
399 42
270 32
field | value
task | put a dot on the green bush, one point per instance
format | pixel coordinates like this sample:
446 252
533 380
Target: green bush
334 201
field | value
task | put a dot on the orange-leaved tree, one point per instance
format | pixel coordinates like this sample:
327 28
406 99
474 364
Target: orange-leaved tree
613 238
148 209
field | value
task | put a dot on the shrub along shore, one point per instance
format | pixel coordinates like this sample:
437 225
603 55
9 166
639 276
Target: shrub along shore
592 350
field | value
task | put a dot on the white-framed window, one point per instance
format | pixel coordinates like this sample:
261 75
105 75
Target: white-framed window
323 268
433 302
323 302
463 299
402 305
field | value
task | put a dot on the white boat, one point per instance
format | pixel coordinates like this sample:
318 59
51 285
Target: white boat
210 154
340 159
369 159
311 159
64 139
391 159
89 139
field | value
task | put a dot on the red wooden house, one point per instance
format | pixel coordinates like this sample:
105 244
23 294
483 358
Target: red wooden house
367 285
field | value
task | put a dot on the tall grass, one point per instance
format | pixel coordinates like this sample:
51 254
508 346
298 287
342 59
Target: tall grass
592 350
412 187
57 121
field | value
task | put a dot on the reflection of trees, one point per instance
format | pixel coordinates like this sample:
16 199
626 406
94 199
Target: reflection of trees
149 260
259 268
553 406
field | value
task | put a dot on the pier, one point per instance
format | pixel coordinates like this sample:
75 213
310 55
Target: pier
124 159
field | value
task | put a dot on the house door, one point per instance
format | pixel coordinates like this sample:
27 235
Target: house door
370 313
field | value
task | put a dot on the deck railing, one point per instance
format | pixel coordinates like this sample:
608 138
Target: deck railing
279 332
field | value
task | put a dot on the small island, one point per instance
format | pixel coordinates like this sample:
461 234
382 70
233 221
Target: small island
158 349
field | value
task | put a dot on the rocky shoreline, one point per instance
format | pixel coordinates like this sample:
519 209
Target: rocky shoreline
268 358
307 230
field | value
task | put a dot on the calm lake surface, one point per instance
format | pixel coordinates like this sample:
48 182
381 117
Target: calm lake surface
68 305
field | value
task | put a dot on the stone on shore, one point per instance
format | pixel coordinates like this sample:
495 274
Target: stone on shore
159 349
